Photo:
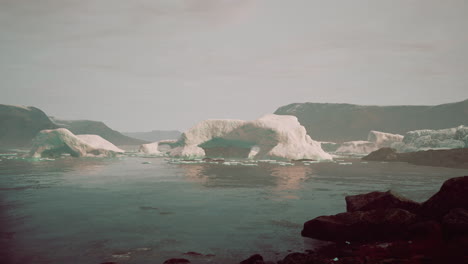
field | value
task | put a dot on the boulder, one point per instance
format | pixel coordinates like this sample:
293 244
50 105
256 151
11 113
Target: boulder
456 221
379 200
176 261
254 259
453 194
373 225
301 258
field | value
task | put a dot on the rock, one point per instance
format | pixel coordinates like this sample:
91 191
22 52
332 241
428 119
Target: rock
456 221
192 253
452 158
176 261
383 154
453 194
426 230
301 258
379 200
370 225
254 259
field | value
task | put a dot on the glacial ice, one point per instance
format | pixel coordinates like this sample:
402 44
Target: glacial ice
54 142
425 139
271 137
375 140
150 148
99 143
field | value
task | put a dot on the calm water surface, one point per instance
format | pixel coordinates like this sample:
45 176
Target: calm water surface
96 210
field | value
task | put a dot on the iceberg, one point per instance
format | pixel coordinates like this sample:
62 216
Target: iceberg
54 142
375 141
150 148
269 137
157 148
425 139
187 145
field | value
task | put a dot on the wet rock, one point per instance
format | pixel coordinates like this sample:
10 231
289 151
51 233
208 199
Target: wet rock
379 200
453 194
176 261
456 222
254 259
370 225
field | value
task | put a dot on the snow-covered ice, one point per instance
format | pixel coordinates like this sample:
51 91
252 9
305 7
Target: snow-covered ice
269 137
425 139
54 142
375 140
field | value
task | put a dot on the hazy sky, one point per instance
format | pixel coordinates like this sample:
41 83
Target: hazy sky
140 65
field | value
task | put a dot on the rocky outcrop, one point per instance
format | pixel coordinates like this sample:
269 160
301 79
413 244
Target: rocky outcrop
379 200
373 225
177 261
457 158
456 221
254 259
383 154
453 194
379 216
378 229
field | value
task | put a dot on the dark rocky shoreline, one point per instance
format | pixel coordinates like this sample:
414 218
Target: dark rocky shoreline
383 228
451 158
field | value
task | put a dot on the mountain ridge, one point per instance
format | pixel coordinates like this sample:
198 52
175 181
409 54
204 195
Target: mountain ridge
341 122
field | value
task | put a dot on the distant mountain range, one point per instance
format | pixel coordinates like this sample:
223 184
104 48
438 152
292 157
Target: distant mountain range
20 124
155 135
346 122
79 127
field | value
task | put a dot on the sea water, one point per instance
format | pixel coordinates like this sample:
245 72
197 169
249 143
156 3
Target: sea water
146 210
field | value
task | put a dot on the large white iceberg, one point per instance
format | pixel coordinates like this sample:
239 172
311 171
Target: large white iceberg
425 139
375 140
187 145
271 136
54 142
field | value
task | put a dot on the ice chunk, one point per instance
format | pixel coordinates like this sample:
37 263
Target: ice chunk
54 142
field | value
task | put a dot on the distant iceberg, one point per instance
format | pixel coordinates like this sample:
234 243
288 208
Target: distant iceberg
157 148
375 140
269 137
54 142
425 139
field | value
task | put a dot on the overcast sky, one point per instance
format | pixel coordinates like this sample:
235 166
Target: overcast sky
141 65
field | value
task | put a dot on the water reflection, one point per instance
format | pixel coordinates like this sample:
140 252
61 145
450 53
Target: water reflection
281 178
